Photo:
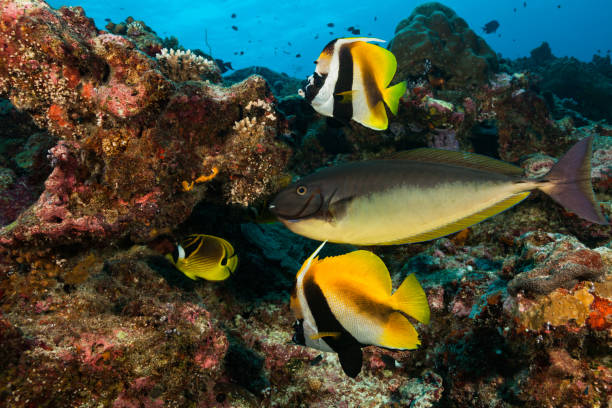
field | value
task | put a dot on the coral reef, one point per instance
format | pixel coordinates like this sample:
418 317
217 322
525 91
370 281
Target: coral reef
105 149
183 66
125 128
434 40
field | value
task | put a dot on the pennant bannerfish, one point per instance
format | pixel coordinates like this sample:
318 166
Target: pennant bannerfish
425 194
204 256
344 302
351 81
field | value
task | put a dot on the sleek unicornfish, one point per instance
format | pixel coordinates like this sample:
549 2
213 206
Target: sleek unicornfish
425 194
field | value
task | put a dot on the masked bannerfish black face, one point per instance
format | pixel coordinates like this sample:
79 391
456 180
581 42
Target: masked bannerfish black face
298 333
312 88
299 200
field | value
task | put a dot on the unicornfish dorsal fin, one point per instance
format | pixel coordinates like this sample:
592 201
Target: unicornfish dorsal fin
464 159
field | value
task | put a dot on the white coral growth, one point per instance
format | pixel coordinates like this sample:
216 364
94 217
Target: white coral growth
181 66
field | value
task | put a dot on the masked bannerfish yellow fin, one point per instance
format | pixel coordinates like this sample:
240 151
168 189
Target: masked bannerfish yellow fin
409 300
393 94
399 333
373 70
463 222
374 62
205 256
464 159
325 334
361 267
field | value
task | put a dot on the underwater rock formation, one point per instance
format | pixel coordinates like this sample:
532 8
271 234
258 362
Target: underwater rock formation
585 87
133 142
434 33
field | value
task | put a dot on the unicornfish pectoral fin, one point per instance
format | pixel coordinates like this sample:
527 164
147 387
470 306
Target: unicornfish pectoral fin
351 360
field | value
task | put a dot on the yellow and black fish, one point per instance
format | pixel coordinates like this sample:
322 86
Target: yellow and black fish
204 256
344 302
351 82
425 194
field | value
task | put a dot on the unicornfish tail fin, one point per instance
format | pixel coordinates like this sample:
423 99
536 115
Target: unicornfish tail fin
569 183
393 94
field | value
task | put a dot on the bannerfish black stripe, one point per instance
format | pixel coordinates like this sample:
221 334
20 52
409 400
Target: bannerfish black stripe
343 110
325 319
372 93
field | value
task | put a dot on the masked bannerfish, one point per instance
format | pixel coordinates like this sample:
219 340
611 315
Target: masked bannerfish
425 194
351 82
344 302
204 256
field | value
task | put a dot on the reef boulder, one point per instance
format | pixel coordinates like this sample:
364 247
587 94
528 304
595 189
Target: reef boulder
435 40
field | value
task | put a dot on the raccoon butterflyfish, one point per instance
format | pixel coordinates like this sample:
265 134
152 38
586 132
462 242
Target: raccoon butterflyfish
343 303
204 256
351 81
425 194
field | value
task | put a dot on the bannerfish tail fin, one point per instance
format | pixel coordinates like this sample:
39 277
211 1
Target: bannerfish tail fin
410 299
393 94
569 183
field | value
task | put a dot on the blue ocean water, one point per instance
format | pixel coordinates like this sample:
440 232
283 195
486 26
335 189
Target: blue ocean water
274 34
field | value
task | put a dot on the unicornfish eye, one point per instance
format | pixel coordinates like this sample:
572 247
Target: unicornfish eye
301 190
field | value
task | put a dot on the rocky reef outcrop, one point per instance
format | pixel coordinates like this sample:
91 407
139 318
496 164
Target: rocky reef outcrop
435 41
132 142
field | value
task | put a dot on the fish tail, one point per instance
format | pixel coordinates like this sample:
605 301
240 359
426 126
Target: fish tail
569 183
410 299
393 94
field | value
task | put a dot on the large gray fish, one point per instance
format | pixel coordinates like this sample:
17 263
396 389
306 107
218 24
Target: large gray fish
425 194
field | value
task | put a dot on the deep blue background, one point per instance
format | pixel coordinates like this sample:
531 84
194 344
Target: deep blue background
579 28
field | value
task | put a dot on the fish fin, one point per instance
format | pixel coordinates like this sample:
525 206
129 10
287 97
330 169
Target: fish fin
375 118
346 97
465 159
569 183
362 267
399 333
321 335
410 299
463 222
351 360
347 40
373 60
393 94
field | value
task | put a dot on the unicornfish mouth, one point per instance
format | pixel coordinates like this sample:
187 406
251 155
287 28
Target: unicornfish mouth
287 209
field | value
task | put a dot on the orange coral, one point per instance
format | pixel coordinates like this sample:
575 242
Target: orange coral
600 317
189 186
56 114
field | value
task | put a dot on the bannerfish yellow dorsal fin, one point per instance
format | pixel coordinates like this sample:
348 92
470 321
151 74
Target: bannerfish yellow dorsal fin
464 159
374 60
362 267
